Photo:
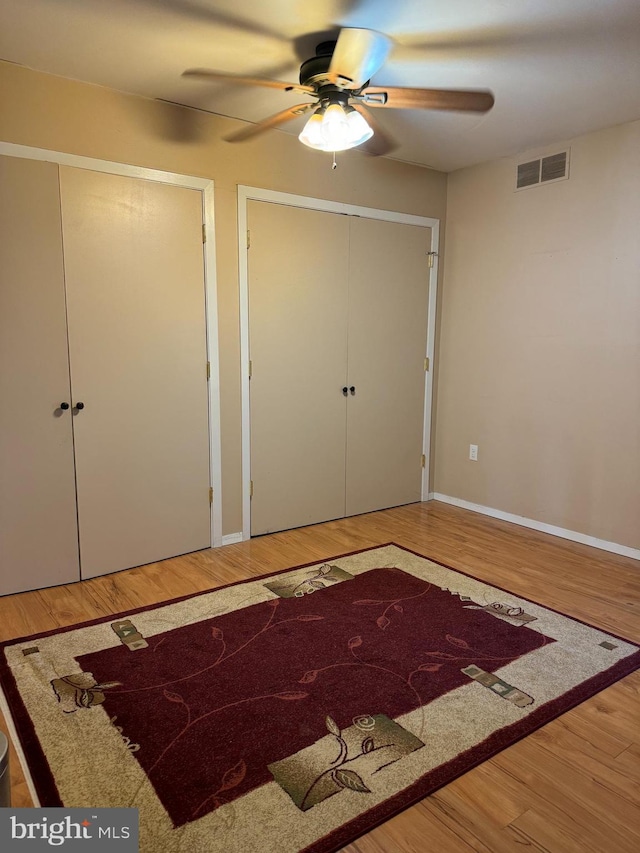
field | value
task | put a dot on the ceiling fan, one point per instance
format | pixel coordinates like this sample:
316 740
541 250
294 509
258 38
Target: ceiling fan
337 79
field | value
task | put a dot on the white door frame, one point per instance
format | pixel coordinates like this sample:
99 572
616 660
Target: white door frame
205 186
246 194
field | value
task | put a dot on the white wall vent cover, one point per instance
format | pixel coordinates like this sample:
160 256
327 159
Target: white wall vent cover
544 170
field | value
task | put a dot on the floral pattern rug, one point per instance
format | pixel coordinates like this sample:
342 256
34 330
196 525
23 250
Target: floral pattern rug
295 711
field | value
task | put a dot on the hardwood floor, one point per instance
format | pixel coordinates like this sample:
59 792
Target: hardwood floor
574 785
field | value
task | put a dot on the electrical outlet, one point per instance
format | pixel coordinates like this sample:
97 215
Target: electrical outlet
473 452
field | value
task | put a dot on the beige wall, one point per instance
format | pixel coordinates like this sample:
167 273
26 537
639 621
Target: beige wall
49 112
540 341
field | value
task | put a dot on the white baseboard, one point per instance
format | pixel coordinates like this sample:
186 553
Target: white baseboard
613 547
232 538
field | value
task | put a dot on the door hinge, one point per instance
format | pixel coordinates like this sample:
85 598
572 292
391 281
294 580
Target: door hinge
423 460
250 368
204 233
210 494
250 488
431 256
426 364
208 370
248 239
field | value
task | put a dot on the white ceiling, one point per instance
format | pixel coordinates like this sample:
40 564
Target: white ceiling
557 68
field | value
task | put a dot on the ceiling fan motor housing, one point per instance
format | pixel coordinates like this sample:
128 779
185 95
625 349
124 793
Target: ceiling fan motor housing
314 71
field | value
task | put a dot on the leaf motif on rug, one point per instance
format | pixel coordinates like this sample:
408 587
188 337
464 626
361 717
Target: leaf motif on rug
358 760
350 780
311 580
383 621
233 777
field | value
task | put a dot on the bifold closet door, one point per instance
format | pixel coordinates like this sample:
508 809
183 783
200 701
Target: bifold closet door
38 529
298 268
388 313
137 345
335 301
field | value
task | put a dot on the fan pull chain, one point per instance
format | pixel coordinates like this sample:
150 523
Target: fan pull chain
334 165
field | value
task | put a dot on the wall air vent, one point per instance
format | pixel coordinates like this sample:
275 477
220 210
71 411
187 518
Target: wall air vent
528 174
555 167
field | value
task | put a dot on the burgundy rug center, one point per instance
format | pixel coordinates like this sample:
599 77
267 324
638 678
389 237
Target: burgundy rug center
213 704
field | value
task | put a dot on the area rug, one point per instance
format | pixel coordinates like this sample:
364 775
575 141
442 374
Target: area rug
295 711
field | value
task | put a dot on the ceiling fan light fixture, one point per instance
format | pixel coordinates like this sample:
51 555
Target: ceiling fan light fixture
359 130
311 134
335 128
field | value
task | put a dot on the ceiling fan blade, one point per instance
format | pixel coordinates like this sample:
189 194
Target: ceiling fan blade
209 74
268 123
357 56
477 100
381 142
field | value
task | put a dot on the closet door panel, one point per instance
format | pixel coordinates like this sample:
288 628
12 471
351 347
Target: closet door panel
38 527
388 312
298 265
137 342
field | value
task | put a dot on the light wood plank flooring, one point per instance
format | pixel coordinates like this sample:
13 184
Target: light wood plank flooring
571 787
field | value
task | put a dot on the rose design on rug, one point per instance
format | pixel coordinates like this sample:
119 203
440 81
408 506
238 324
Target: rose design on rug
364 748
80 690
